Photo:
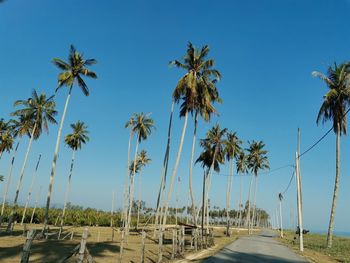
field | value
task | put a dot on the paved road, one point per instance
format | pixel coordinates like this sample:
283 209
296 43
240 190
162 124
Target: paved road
256 249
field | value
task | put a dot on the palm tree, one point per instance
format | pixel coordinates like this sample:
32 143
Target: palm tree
6 137
129 124
232 150
257 160
280 198
197 91
242 168
142 160
40 111
74 140
142 128
72 72
212 156
333 109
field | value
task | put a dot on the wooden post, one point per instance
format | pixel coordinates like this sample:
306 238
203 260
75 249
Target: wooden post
71 237
160 245
182 239
59 233
83 245
27 245
143 236
24 230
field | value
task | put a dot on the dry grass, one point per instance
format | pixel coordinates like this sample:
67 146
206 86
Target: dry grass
101 246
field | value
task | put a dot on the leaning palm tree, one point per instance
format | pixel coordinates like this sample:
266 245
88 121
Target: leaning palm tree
196 88
212 156
142 128
142 160
333 109
257 160
242 168
232 150
74 140
39 110
72 72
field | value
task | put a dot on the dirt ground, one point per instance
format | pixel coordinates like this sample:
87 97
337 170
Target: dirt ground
101 246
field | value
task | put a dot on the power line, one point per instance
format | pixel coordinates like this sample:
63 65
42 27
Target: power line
290 182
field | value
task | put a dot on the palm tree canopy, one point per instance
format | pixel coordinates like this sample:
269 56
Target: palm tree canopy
74 69
39 110
213 145
337 98
232 145
197 87
142 158
257 159
137 167
78 137
280 196
142 126
242 163
6 141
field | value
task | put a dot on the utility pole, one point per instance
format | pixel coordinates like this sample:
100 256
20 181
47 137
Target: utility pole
299 198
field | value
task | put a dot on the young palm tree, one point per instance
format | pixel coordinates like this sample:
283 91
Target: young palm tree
212 156
74 140
333 109
72 72
142 160
257 160
197 91
232 150
142 128
242 168
40 111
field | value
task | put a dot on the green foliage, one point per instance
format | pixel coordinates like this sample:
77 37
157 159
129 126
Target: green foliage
78 137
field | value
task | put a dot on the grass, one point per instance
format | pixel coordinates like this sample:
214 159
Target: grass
101 246
315 247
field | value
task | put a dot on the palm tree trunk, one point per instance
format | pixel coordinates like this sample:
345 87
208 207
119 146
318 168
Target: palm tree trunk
175 169
139 204
54 161
203 204
248 213
240 202
228 195
67 189
30 190
9 226
35 205
126 182
163 175
8 180
254 207
281 234
191 168
131 197
336 190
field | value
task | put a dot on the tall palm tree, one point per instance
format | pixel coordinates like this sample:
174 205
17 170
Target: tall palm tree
74 140
196 90
242 168
40 111
129 124
212 156
142 128
257 160
72 73
142 160
232 150
333 109
280 198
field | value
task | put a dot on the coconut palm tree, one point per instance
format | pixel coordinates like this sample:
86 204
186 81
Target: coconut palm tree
142 128
280 198
196 88
333 109
232 150
39 110
72 73
242 168
142 160
212 156
74 140
129 124
6 142
257 160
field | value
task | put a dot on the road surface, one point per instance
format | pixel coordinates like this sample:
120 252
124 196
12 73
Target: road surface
256 249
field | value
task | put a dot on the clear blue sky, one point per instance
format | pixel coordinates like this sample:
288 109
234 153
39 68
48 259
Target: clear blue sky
265 50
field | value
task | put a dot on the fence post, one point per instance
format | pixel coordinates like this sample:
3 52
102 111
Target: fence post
71 236
160 245
182 239
83 245
27 245
143 247
174 245
196 239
